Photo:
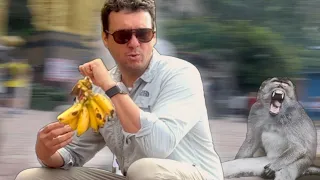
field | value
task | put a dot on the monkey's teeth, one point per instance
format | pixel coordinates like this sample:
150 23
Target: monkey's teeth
282 97
274 93
279 92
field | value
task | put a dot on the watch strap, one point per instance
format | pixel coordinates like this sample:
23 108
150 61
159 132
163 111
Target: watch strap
113 91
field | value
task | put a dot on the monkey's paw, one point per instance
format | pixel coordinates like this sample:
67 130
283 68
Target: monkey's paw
268 173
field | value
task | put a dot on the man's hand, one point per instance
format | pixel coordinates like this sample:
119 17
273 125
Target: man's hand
51 138
98 73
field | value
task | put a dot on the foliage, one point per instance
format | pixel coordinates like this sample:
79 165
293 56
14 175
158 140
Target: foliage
258 52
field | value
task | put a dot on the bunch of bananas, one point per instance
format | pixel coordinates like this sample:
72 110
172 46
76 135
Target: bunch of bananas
90 110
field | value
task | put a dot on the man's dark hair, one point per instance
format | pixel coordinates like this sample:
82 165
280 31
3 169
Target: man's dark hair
130 5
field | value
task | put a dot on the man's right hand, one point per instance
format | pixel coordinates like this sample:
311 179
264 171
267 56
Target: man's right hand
51 138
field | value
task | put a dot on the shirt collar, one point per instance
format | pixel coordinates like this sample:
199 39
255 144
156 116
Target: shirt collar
149 73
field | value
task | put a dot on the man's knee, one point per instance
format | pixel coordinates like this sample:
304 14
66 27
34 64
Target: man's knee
28 174
143 169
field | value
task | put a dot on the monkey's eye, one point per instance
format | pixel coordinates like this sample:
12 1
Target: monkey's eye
284 85
276 83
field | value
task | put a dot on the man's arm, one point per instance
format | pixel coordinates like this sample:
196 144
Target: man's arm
179 107
77 153
55 161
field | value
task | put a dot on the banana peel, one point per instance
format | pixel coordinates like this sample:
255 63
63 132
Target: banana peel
83 84
90 111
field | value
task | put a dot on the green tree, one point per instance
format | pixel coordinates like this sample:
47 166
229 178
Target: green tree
258 52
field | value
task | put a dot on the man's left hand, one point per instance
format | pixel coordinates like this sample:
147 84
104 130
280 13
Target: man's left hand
98 73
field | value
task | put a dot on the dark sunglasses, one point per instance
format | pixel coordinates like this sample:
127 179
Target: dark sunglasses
144 35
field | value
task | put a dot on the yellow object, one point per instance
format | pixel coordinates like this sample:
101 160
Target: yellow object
15 83
91 111
98 112
71 113
73 123
104 103
83 122
93 120
18 72
12 40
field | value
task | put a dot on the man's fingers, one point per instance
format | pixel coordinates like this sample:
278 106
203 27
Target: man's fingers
58 132
62 144
51 127
88 69
60 139
82 71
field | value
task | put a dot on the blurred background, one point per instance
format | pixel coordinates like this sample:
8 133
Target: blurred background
235 44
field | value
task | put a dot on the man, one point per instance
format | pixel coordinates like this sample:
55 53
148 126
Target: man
161 128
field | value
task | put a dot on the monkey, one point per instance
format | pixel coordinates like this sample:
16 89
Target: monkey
281 139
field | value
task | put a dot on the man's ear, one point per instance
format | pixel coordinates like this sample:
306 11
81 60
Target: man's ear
154 39
105 39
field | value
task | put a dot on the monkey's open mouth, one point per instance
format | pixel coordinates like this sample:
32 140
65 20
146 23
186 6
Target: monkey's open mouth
277 98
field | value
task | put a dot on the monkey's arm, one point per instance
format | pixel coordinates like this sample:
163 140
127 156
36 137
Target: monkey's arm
250 145
253 137
289 156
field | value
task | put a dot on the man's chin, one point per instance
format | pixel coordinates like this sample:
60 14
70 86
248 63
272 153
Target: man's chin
135 67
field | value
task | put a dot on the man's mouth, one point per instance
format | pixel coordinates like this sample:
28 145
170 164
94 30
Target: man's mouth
133 55
277 98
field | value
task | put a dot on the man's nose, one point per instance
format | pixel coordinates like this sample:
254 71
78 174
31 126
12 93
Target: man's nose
134 42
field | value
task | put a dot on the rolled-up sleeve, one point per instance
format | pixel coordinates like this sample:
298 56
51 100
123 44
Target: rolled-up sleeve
66 156
82 149
178 108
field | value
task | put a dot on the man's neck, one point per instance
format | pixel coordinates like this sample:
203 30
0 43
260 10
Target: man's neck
129 79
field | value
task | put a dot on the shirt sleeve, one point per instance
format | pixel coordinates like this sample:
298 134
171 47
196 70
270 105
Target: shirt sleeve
179 107
67 159
82 149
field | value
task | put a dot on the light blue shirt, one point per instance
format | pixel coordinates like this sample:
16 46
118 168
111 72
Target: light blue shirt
173 116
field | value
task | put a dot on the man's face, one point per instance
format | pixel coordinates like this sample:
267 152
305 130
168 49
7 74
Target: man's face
133 56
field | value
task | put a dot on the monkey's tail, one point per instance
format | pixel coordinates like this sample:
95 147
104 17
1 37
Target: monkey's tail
312 170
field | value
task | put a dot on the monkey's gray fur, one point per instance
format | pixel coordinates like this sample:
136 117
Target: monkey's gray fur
280 130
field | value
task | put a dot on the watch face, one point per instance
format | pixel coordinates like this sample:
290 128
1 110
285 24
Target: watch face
114 90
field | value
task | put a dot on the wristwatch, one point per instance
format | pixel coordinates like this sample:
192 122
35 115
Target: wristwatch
114 91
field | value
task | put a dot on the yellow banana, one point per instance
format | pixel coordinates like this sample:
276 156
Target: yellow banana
67 120
93 119
100 122
90 112
82 87
86 82
74 124
104 103
83 121
98 112
83 84
71 113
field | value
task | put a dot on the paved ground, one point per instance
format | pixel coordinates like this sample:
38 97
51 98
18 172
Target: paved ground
18 132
